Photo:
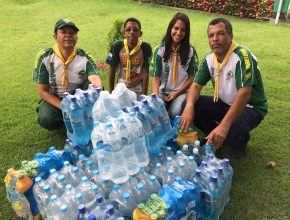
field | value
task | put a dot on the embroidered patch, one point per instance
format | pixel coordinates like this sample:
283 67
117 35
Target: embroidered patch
82 74
229 75
248 75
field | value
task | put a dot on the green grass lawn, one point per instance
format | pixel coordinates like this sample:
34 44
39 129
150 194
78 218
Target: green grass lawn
27 25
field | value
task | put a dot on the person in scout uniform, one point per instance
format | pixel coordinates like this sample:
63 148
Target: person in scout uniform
174 64
131 57
62 68
239 103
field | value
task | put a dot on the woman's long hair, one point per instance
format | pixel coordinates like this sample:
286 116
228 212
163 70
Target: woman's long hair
184 44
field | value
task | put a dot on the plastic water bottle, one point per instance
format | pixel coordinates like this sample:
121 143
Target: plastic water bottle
76 152
43 200
153 185
104 156
107 187
38 186
163 115
81 135
93 92
127 205
98 207
52 179
69 195
148 131
97 134
53 205
88 105
112 138
129 185
139 138
96 178
65 107
82 215
60 184
110 212
159 172
183 171
155 123
76 176
180 157
82 162
67 170
140 194
191 165
169 178
79 199
115 196
85 187
141 175
167 152
91 166
171 164
128 147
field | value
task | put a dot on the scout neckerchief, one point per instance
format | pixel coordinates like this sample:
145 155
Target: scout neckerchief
64 81
129 61
175 61
219 68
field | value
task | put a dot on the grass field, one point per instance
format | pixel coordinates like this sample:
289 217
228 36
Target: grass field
27 25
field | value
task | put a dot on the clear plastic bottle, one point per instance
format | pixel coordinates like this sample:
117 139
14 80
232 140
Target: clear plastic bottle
82 215
85 187
129 185
60 184
140 194
107 187
78 123
104 156
110 213
127 205
128 147
141 175
97 134
65 107
159 172
91 166
43 200
139 140
82 162
171 164
98 207
118 167
115 196
69 195
76 176
169 178
153 185
96 178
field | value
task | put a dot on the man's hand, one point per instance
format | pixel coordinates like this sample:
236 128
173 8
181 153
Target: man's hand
186 118
217 136
96 81
171 97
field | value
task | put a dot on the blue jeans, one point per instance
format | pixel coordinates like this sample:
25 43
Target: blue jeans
209 114
174 108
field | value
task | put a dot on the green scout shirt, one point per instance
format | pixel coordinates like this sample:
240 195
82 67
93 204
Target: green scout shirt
48 70
240 71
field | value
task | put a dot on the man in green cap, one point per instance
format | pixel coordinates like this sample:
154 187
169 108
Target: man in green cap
62 68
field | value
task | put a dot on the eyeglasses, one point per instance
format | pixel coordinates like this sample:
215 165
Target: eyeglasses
135 30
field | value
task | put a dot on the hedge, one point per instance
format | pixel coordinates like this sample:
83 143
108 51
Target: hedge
242 8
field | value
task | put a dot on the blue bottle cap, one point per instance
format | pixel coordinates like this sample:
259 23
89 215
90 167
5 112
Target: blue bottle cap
90 163
170 172
53 198
92 217
84 179
152 178
68 186
213 177
78 196
96 172
61 178
66 163
168 148
178 178
191 158
132 114
81 156
63 208
82 209
46 188
140 186
99 198
126 196
73 99
116 186
95 188
96 123
76 147
52 171
142 170
75 170
181 164
37 180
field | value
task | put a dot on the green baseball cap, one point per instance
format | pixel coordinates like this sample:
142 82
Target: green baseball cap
64 22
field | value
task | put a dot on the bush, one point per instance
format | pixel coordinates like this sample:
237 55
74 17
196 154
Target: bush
242 8
116 33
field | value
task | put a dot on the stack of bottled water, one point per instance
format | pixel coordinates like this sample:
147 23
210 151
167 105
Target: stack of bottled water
213 180
77 113
120 147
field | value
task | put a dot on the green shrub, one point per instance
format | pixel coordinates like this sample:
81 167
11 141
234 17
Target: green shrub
116 33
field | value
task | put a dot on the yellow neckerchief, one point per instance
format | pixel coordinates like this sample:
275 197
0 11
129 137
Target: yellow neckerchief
130 53
219 68
175 61
64 81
